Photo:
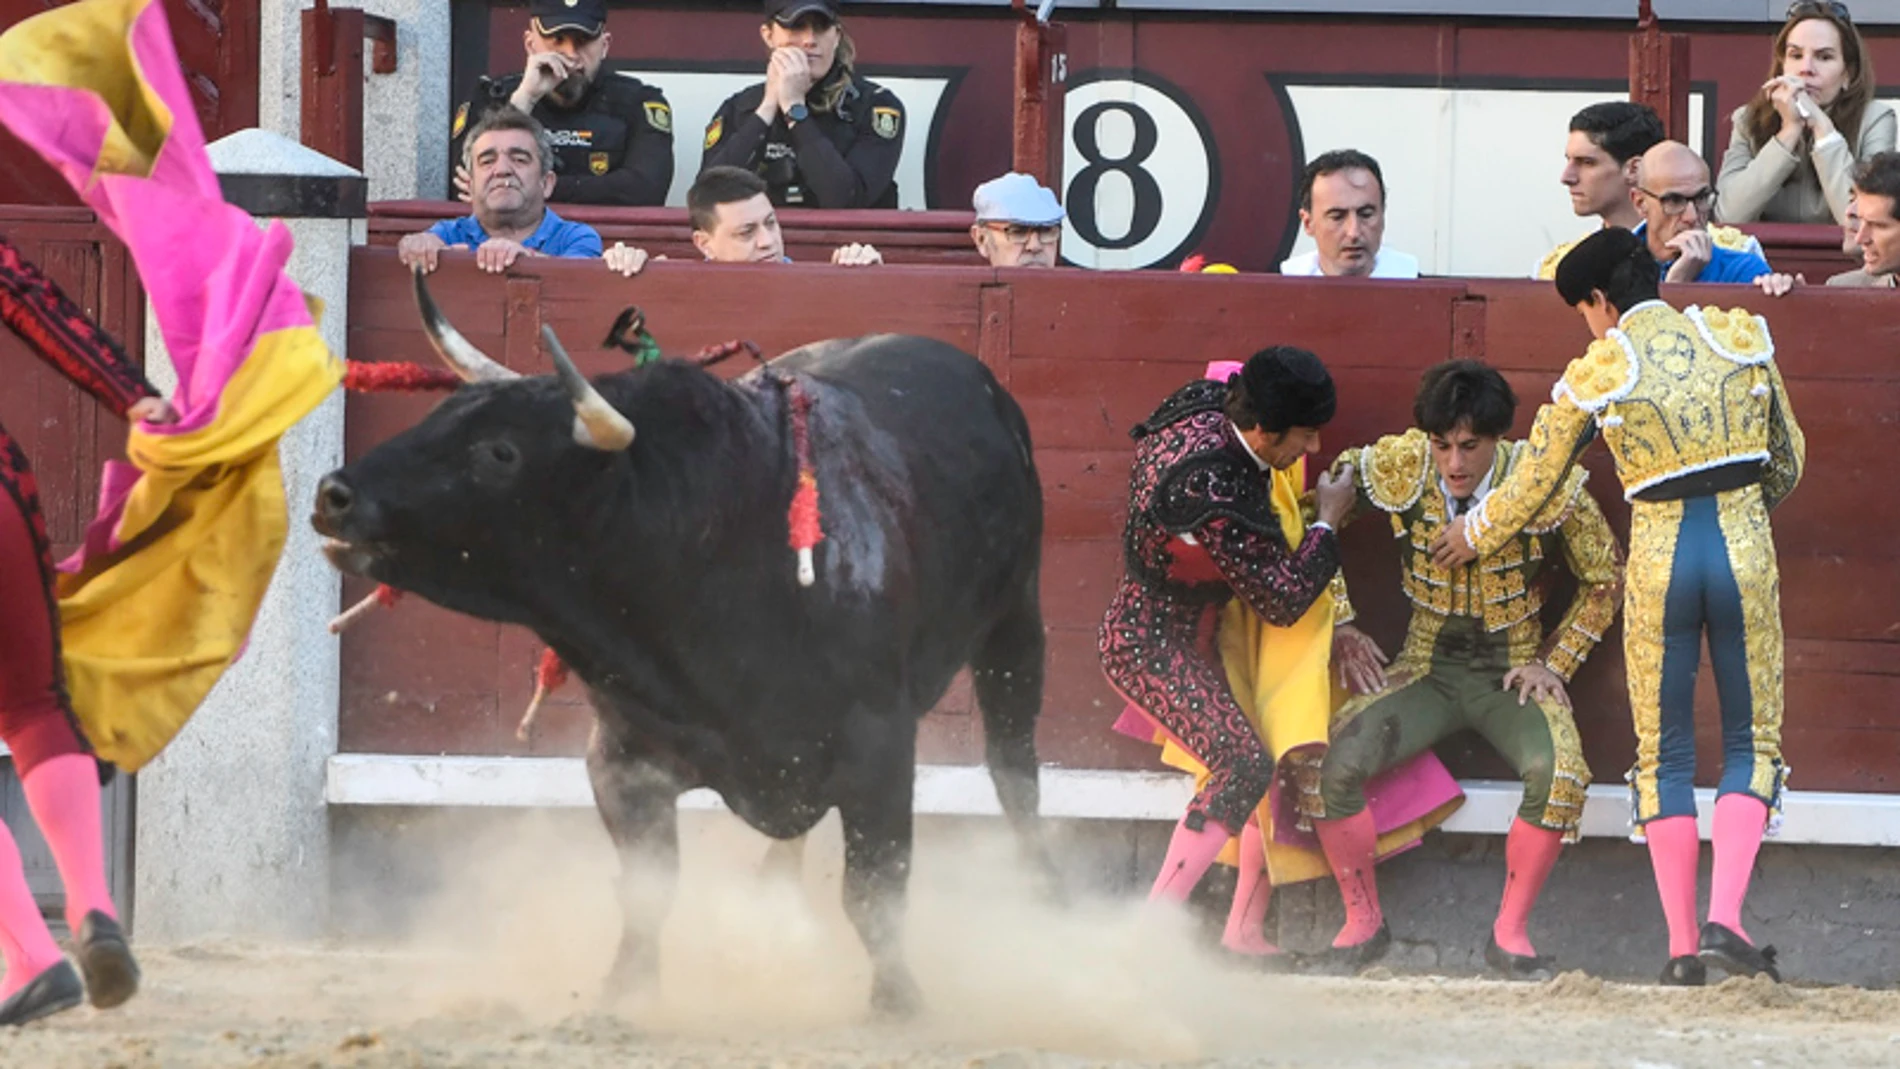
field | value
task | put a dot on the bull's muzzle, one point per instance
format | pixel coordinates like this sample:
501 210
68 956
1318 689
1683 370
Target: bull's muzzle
334 516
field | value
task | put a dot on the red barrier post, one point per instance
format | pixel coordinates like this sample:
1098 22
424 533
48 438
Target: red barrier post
1041 71
1659 72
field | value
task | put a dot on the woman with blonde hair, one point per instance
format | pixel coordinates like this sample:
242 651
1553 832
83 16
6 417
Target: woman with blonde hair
1791 158
819 133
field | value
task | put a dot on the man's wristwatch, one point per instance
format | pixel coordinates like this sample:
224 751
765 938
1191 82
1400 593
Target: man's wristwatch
797 113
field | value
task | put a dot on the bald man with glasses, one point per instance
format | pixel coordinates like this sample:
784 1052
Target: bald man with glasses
1674 196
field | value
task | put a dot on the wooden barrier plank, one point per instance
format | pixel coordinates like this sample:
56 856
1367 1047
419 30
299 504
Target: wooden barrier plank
1087 356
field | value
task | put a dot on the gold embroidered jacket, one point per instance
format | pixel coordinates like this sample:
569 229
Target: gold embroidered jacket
1674 393
1506 587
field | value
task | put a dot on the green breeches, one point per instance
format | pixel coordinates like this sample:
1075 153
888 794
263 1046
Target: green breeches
1462 689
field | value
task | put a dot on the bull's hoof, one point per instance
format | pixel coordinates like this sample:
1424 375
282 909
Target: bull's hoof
896 998
633 977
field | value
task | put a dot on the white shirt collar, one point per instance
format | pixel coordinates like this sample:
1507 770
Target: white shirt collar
1243 444
1477 495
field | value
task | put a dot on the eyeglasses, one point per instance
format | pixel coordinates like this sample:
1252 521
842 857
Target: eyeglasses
1803 8
1674 204
1018 234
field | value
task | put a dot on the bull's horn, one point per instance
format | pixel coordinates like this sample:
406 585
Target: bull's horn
597 424
460 354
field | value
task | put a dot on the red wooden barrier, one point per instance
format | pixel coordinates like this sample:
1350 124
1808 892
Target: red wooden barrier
1088 355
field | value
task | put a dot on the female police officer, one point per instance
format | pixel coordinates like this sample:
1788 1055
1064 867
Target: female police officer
818 133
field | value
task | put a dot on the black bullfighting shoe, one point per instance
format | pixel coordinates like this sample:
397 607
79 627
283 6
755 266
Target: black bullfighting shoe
1518 966
1348 960
1729 952
112 976
48 993
1685 971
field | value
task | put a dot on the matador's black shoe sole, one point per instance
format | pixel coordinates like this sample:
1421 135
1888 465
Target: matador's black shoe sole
1685 971
112 974
1511 966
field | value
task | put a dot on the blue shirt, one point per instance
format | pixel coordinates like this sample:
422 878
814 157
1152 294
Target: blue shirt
554 237
1725 265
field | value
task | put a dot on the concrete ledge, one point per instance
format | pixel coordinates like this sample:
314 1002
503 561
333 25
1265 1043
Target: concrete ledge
1813 817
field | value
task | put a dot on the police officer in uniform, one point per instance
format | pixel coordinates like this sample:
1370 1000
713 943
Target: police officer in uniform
820 135
613 135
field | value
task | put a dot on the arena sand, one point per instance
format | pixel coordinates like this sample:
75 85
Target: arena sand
506 971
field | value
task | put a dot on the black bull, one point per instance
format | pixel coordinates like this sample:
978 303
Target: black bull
639 527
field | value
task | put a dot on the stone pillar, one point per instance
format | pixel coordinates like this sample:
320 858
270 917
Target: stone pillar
406 114
233 833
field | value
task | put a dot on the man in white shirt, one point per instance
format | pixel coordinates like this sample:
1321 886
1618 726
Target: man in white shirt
1342 208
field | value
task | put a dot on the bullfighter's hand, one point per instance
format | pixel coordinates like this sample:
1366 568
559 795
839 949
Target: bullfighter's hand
153 410
625 259
1776 284
419 249
498 254
1334 495
1536 681
1361 662
855 255
1695 248
1452 548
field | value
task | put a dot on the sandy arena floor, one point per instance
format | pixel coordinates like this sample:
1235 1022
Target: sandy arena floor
507 973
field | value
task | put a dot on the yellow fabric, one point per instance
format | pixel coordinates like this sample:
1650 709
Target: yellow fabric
87 45
149 628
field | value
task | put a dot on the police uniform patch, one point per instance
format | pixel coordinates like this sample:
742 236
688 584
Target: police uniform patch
659 116
885 122
460 123
597 162
716 131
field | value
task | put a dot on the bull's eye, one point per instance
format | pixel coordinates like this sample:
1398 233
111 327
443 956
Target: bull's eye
496 462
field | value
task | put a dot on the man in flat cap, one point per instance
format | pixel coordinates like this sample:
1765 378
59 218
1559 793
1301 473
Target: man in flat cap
1018 222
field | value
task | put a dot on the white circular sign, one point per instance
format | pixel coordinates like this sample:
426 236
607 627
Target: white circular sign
1137 171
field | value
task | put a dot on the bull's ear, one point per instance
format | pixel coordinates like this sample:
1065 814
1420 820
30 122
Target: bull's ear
597 424
460 354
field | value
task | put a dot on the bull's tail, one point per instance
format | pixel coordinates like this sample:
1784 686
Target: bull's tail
1008 674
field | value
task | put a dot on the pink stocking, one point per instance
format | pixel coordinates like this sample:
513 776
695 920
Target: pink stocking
1739 822
1246 921
25 944
1190 854
1530 852
63 793
1675 852
1351 845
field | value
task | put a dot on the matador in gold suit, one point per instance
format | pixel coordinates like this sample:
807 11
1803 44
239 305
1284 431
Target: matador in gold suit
1476 656
1696 416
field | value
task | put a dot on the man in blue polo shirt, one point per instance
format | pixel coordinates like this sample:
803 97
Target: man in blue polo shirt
510 161
1674 196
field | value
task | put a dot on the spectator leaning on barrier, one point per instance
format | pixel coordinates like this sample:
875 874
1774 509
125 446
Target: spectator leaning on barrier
612 135
1342 208
1018 222
1601 159
1791 156
1877 232
818 133
1674 198
734 223
507 155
